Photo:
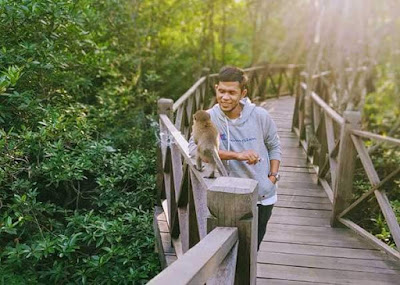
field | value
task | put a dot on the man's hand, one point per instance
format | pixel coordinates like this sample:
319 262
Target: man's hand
272 178
250 156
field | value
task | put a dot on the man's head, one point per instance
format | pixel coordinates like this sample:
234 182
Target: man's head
231 88
233 74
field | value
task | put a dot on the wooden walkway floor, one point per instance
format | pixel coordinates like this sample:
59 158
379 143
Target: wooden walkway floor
300 247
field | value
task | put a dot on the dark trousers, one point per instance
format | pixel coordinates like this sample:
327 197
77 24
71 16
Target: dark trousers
264 213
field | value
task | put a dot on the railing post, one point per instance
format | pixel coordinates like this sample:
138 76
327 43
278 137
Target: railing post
232 202
346 164
205 71
164 108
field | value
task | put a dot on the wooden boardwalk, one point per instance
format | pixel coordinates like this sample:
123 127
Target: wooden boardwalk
300 247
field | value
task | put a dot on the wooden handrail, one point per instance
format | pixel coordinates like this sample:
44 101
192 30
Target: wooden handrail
373 136
339 145
325 107
202 261
188 93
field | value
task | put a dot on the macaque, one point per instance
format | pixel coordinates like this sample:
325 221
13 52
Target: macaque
206 137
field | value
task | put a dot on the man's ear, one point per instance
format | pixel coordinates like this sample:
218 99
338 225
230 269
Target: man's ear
216 86
244 93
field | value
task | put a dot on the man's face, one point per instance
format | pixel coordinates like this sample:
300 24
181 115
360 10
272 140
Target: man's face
229 95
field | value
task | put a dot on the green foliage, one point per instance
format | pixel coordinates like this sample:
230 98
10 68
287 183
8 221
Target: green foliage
79 82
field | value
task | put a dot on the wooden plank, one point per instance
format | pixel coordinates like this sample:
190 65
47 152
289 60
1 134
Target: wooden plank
301 238
312 230
294 153
294 162
273 281
290 141
301 212
301 192
325 275
317 250
338 263
301 175
307 169
200 262
299 185
294 220
303 205
310 178
320 200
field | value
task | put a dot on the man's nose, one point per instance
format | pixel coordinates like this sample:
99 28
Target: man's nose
225 96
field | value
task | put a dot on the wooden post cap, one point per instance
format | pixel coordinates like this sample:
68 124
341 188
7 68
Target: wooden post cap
165 106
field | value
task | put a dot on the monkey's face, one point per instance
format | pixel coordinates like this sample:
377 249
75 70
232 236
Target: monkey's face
201 116
229 95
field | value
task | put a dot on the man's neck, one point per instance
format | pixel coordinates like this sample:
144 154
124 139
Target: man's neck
235 113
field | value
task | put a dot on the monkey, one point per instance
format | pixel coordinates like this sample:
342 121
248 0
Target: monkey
205 136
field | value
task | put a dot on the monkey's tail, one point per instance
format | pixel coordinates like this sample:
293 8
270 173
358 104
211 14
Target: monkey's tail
220 165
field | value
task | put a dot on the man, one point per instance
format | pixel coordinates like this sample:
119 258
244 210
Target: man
249 143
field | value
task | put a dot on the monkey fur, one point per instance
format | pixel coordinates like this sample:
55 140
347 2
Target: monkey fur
206 137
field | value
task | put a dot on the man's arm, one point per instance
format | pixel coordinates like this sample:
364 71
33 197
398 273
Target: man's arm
274 167
249 155
273 145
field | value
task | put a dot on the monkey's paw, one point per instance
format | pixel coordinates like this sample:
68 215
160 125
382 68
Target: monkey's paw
201 169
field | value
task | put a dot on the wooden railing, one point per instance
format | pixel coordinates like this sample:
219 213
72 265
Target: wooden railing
196 207
197 266
333 144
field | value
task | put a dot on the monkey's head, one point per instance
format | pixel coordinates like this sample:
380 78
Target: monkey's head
201 116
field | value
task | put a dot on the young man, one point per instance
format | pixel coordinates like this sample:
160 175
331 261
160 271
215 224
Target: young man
249 143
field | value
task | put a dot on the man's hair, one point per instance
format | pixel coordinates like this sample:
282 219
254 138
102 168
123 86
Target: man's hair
232 74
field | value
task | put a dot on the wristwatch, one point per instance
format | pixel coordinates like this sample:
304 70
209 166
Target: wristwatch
275 174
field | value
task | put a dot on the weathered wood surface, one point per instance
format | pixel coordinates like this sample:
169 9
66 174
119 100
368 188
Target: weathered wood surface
200 262
300 247
232 203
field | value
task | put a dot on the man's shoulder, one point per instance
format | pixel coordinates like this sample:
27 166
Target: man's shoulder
262 112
